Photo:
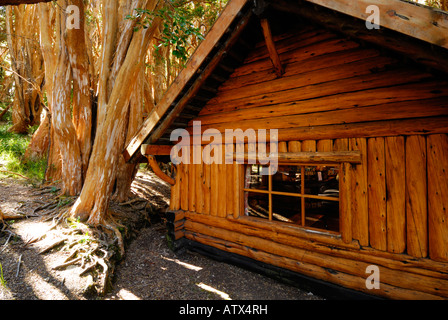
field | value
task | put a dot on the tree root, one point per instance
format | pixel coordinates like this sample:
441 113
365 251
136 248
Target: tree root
56 243
89 248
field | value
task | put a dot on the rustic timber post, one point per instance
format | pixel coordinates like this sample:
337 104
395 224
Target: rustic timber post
273 54
260 10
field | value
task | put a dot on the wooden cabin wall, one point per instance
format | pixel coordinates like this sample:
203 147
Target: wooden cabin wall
400 227
398 193
332 88
335 95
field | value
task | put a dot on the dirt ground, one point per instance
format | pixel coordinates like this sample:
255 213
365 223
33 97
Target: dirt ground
148 271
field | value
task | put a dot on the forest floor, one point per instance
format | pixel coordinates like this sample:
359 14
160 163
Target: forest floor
148 271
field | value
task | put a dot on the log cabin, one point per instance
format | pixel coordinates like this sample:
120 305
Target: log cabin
358 203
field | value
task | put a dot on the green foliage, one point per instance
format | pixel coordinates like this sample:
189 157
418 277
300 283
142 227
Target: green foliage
183 24
434 3
12 149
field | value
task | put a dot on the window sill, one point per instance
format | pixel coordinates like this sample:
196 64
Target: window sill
335 157
279 226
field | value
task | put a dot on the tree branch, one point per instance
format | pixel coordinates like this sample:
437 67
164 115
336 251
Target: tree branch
17 2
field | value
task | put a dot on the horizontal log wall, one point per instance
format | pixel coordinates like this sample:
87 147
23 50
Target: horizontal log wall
331 88
401 276
388 205
335 96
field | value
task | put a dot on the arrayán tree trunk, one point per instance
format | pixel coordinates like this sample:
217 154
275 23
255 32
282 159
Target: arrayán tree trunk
96 100
113 115
26 66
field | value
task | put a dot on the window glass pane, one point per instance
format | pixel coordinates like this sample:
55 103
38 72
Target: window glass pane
322 181
257 204
319 181
254 178
322 214
287 179
286 209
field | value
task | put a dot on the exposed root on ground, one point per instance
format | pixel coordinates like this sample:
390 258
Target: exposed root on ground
93 249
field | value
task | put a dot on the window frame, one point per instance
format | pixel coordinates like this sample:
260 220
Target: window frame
302 195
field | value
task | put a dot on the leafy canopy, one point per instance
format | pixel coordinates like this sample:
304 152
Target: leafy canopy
183 21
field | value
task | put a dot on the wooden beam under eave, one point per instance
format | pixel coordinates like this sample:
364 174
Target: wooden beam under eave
273 54
435 57
156 150
156 169
415 20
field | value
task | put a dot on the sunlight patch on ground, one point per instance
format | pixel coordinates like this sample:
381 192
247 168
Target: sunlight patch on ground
183 264
208 288
43 289
127 295
33 229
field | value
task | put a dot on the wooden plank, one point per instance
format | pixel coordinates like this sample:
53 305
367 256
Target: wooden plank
416 197
331 59
305 157
282 147
325 145
334 73
294 146
430 125
396 194
435 57
340 144
421 22
303 50
370 97
289 234
290 43
392 111
376 172
238 191
360 220
437 152
214 179
175 192
345 195
324 242
199 178
273 54
412 126
231 184
206 183
345 200
191 183
156 150
213 37
309 146
222 183
184 185
338 264
327 269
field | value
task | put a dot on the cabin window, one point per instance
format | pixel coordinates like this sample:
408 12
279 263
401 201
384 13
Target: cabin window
305 195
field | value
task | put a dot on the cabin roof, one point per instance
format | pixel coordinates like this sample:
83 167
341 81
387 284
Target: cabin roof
412 30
